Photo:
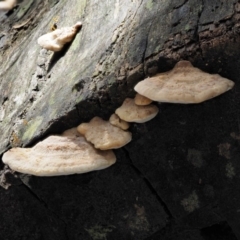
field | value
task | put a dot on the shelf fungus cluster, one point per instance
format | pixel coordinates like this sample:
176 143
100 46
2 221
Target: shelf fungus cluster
7 5
83 149
55 40
89 146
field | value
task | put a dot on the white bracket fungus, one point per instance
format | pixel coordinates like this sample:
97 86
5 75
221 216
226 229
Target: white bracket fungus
141 100
70 153
103 134
7 5
183 84
115 120
130 112
56 39
59 155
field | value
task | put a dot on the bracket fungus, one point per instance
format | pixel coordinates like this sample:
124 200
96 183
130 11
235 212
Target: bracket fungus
56 39
7 5
141 100
59 155
183 84
131 112
103 135
115 120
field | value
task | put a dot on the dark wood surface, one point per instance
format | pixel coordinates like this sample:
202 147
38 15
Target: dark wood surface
179 177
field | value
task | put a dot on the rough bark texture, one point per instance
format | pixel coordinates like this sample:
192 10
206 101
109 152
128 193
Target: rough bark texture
179 177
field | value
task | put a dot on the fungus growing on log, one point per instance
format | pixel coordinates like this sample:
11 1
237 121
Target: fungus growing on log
130 112
56 39
183 84
59 155
115 120
103 134
7 5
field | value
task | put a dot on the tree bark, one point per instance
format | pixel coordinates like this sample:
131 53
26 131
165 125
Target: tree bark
179 177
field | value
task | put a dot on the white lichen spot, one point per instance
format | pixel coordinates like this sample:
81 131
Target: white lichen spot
190 203
230 171
19 99
116 9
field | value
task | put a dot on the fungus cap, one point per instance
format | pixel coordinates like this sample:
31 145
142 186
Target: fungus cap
115 120
103 135
183 84
58 155
131 112
141 100
7 5
72 132
55 40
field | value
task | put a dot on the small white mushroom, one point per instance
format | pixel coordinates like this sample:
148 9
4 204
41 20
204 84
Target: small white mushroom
141 100
55 40
130 112
183 84
115 120
7 5
59 155
103 135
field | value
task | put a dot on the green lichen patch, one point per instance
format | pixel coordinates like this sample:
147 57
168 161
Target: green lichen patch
190 203
25 6
149 4
230 171
32 127
98 232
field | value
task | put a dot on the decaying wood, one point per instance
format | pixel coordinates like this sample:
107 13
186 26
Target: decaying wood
178 178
